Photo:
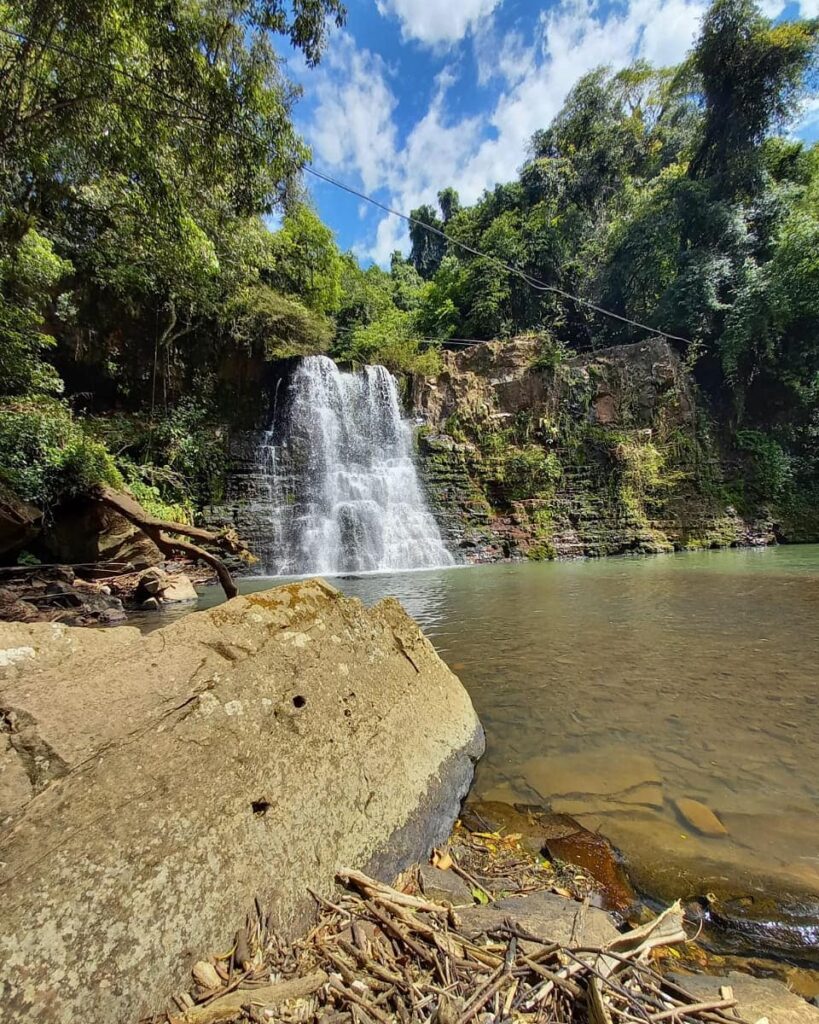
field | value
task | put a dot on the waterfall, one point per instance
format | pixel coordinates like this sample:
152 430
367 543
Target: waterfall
345 493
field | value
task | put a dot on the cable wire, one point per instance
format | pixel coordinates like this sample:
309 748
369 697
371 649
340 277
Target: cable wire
510 268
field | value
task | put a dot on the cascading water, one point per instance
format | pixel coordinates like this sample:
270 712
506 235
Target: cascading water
346 495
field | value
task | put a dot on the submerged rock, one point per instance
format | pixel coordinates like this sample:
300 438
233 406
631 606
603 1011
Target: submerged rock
560 837
247 751
700 817
611 772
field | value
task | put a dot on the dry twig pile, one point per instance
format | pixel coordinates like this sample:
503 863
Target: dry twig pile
382 955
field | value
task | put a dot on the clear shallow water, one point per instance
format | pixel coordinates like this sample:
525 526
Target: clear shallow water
694 675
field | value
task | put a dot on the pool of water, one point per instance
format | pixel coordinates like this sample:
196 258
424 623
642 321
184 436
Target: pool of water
611 689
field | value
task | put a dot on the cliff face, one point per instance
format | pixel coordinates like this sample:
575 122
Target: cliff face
526 453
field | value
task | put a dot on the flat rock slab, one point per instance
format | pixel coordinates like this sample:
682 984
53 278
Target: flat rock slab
549 917
444 886
604 772
250 750
758 997
699 817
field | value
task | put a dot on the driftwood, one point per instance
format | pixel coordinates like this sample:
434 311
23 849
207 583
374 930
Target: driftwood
168 536
226 1007
382 954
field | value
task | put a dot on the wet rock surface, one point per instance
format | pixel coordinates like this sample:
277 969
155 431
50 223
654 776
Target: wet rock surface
251 750
559 837
55 594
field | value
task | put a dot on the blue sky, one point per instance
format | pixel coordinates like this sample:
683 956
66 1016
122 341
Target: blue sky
415 95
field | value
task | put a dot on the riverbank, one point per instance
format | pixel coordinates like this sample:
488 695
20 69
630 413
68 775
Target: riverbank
694 670
489 930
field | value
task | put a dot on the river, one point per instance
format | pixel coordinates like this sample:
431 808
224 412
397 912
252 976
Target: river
612 688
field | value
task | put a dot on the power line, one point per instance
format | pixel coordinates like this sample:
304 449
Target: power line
533 282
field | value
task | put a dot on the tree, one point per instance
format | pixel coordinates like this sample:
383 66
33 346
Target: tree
427 248
753 74
136 137
306 260
450 203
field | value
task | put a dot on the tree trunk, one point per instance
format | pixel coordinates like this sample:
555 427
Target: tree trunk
160 531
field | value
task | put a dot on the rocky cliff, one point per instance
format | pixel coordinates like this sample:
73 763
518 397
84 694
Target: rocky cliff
527 452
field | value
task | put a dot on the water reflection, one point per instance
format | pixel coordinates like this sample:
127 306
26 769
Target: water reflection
702 665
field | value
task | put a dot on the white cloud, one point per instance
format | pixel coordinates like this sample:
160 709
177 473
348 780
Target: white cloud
354 129
390 235
437 22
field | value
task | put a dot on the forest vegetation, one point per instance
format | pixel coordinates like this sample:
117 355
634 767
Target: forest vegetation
145 148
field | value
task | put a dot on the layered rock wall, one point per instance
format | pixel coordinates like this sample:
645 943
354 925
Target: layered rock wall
528 453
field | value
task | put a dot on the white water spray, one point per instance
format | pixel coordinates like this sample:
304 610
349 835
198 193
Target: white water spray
346 494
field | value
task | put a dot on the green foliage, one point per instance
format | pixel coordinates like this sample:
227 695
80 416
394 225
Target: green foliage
665 196
306 260
427 247
47 456
642 465
142 146
393 341
551 354
22 345
177 461
753 75
266 322
768 467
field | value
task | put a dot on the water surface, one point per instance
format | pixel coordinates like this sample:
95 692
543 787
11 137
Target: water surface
692 675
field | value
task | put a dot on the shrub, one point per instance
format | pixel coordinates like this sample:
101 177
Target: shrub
768 466
46 455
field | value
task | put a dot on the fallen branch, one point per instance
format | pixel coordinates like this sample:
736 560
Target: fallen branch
226 1007
167 535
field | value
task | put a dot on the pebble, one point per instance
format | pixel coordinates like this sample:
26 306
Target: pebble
205 974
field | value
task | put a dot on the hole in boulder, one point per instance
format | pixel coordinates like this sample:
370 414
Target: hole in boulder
299 701
260 807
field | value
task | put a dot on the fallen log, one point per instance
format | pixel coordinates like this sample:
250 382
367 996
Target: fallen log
167 536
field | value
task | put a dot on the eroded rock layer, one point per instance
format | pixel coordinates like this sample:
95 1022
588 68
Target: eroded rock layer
529 452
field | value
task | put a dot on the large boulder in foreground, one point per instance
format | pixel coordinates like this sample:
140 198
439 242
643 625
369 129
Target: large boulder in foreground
156 784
